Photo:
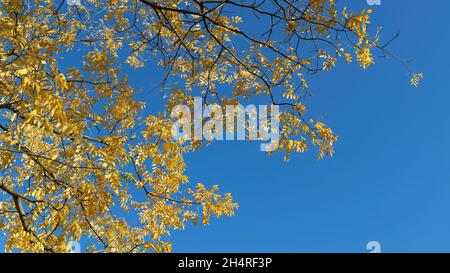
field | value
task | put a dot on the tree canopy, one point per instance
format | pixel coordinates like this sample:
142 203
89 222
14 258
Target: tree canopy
79 159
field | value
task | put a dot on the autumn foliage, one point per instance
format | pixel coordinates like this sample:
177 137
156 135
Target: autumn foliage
79 160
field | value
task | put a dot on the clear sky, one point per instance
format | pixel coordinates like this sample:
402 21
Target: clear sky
389 180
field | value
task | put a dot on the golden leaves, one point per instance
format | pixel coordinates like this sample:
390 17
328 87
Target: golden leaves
348 57
364 57
84 157
415 79
61 82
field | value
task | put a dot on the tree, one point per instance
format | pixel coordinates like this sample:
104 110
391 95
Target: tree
79 159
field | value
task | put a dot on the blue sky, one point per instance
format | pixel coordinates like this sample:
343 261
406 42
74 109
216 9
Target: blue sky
389 180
